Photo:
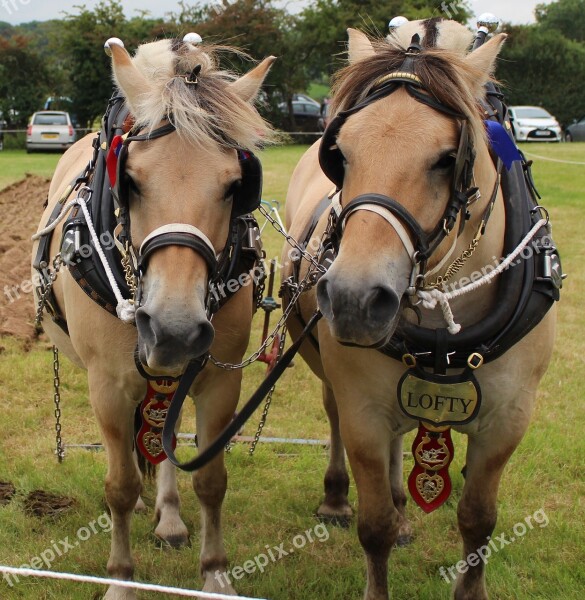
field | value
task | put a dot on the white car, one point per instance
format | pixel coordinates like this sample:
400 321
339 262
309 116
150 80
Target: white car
50 130
534 124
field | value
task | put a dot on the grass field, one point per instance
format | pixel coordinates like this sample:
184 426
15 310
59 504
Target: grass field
273 495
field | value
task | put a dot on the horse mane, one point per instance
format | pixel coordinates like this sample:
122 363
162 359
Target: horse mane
441 67
209 112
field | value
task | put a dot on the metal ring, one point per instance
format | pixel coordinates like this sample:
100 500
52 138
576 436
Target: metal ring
475 360
409 360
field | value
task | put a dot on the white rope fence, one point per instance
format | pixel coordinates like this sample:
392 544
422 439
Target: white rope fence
145 587
555 160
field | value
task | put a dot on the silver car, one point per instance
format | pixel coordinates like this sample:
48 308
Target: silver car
534 124
50 130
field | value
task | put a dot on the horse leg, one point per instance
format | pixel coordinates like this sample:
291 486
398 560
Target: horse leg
215 409
477 512
368 448
123 479
335 508
398 491
170 528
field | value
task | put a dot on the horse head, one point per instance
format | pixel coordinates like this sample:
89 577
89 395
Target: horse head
407 128
187 170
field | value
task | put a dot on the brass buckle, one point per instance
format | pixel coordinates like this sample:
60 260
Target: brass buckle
475 360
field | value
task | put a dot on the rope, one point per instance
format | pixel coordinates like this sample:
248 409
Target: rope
125 308
56 222
146 587
430 298
556 160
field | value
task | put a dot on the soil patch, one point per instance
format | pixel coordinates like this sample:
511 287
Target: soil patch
21 207
7 491
44 504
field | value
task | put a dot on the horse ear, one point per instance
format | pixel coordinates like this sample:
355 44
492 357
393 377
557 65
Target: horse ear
128 77
484 58
248 86
360 46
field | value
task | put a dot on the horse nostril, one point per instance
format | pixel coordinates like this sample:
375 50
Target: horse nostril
382 304
200 339
145 327
324 299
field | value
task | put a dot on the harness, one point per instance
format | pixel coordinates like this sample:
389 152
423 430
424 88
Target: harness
106 188
525 292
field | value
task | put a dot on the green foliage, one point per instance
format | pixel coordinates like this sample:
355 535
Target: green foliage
544 64
90 81
566 16
23 80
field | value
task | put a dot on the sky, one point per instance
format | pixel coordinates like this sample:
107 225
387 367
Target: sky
22 11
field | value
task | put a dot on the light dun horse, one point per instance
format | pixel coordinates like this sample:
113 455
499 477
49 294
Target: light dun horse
187 177
405 149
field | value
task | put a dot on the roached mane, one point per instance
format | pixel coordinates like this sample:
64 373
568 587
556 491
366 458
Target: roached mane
444 74
207 113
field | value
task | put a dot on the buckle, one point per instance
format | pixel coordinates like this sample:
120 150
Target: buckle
475 360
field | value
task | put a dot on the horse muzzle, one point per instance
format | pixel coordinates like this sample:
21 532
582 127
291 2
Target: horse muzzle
361 315
167 343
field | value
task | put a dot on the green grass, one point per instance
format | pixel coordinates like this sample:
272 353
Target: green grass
273 495
14 164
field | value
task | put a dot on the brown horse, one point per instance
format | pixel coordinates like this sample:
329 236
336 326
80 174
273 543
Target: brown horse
189 180
407 111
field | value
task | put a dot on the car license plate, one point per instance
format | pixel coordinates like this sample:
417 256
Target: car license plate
542 133
50 136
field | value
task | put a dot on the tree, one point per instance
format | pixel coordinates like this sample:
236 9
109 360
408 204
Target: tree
81 43
564 16
540 67
24 80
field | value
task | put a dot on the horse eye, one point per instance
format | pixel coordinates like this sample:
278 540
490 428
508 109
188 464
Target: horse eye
130 185
447 161
233 190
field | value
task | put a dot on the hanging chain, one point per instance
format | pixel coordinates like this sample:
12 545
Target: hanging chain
46 289
458 263
315 271
268 398
129 273
60 451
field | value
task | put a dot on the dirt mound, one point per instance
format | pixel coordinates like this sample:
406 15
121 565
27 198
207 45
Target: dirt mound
21 207
44 504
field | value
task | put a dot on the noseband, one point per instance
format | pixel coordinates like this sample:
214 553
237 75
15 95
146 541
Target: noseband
331 159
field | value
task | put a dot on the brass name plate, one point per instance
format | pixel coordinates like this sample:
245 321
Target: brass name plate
439 400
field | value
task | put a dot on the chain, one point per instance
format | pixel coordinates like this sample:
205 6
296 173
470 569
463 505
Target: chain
292 242
268 398
313 273
46 289
458 263
129 272
57 398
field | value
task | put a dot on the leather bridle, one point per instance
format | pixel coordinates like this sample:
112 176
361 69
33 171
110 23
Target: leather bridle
462 193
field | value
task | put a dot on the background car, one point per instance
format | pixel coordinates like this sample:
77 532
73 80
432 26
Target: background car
306 114
534 124
576 131
50 130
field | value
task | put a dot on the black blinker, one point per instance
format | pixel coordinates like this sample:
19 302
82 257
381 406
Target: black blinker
192 79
